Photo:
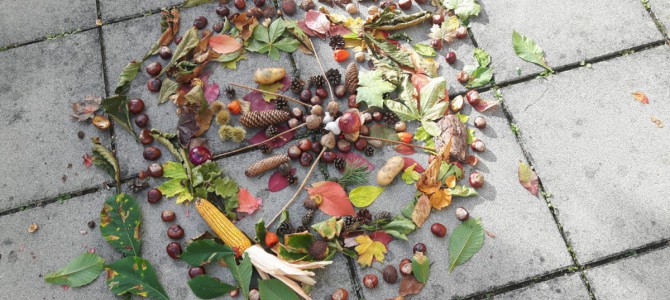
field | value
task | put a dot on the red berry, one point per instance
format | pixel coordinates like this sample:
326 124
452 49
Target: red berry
450 57
438 230
175 232
154 195
199 155
173 250
196 271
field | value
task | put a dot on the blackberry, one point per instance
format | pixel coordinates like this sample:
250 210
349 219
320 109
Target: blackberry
292 179
317 81
284 228
390 118
339 163
301 228
369 150
308 217
265 148
334 76
281 103
271 131
230 92
350 223
336 42
364 216
297 85
383 215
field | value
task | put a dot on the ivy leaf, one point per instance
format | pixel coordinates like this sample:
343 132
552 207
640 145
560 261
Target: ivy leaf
425 50
464 9
526 49
134 275
528 178
363 196
368 249
79 272
188 42
241 273
126 78
120 220
372 88
202 252
275 289
421 267
208 287
464 242
168 88
192 3
117 108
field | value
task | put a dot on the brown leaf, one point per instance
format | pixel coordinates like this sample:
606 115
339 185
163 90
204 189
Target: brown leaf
33 227
201 48
245 24
172 19
428 182
455 131
85 109
421 210
204 120
410 286
490 234
640 96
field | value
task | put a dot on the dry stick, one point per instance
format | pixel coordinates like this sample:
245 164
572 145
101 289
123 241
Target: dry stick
397 142
332 95
257 144
271 93
302 185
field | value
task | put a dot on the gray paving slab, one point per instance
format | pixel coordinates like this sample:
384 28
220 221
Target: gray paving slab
568 31
662 10
642 276
418 34
127 41
113 9
527 242
25 21
42 153
597 151
564 287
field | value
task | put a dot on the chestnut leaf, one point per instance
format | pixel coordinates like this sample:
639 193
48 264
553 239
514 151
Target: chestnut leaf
464 242
134 275
120 220
202 252
208 287
526 49
275 289
79 272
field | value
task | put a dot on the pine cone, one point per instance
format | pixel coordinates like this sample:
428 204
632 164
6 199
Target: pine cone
297 85
351 78
350 223
336 42
281 103
334 76
260 119
364 216
284 228
308 217
369 151
265 165
390 118
271 131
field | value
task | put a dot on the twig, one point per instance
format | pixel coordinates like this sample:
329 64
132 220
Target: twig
302 185
397 142
220 155
271 93
323 72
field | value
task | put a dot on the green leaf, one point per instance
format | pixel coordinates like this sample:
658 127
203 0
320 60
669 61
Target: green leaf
464 9
421 267
329 228
117 108
120 220
425 50
409 176
192 3
170 141
464 242
463 191
126 77
463 118
471 136
391 50
275 289
202 252
432 95
372 88
480 77
260 232
363 196
399 227
483 58
168 88
188 42
172 187
526 49
403 112
287 44
409 95
241 273
208 287
80 271
408 208
174 170
276 29
431 127
134 275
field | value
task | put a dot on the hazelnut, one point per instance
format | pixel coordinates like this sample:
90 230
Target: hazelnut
400 126
360 56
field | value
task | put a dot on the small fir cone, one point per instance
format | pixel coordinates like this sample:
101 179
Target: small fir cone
308 217
261 119
351 78
265 165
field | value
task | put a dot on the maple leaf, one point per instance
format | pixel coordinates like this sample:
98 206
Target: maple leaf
368 249
85 109
372 88
446 31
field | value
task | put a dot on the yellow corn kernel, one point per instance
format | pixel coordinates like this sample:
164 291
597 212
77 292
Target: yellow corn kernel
223 227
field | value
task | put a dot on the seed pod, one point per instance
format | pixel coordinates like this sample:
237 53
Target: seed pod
351 78
265 165
260 119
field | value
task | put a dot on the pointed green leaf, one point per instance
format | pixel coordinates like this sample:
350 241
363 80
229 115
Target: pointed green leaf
480 77
409 176
126 77
425 50
275 289
261 34
174 170
188 41
463 191
421 267
192 3
117 108
134 275
120 220
172 187
526 49
202 252
409 95
80 271
287 44
276 30
465 242
208 287
483 58
432 97
363 196
431 127
168 88
241 273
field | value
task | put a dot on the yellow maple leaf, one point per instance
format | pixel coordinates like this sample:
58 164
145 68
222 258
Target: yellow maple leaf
367 249
440 199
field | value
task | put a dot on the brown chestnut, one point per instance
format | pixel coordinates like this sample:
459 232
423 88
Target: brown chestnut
154 195
175 232
151 153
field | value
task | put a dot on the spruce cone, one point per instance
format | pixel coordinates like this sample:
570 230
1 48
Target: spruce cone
260 119
351 78
265 165
317 80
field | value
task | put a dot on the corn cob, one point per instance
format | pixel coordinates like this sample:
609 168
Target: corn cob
261 119
266 164
223 227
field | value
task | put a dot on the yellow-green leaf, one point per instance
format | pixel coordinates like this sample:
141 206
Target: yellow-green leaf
120 220
421 267
368 249
363 196
80 271
134 275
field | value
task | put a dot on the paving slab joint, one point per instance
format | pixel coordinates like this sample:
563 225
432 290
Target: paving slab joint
47 38
657 21
353 275
43 202
651 247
